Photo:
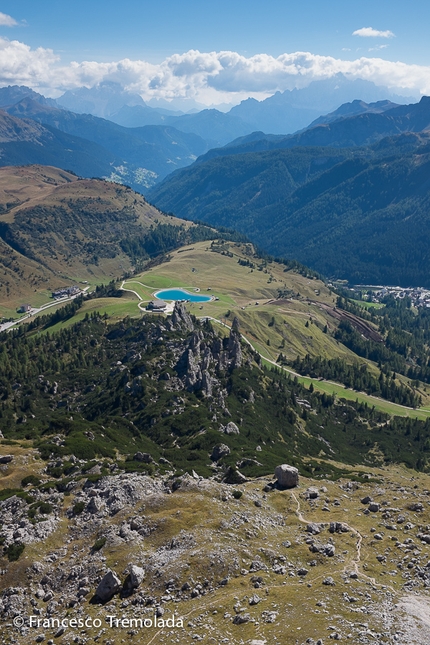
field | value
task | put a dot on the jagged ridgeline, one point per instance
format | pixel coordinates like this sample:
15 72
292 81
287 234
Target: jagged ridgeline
157 395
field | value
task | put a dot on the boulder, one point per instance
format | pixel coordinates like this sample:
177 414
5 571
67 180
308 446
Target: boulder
241 618
6 459
338 527
312 493
329 582
143 456
287 476
231 428
234 476
137 575
374 507
220 451
109 585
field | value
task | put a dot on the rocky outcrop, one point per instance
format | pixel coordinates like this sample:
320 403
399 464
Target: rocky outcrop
234 347
207 356
287 476
181 318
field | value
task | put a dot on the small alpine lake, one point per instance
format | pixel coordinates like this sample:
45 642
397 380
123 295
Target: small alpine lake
180 294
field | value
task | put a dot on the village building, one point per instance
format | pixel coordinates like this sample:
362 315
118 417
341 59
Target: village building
156 305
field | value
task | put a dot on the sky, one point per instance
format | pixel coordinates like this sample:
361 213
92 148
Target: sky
213 52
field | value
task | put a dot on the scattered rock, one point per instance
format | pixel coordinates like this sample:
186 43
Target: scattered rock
254 600
338 527
417 507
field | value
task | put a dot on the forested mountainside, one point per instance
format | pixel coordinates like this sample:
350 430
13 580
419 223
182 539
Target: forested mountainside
307 203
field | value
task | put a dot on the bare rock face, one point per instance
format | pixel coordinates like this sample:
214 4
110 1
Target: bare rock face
109 585
234 347
181 318
287 476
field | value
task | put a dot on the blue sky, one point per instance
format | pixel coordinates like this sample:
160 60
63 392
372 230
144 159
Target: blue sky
49 35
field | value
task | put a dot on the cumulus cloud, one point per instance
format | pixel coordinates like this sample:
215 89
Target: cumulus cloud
7 21
369 32
206 77
21 65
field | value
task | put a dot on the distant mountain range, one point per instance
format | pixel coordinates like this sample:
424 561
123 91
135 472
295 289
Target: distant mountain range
25 141
283 113
91 146
140 145
292 110
307 196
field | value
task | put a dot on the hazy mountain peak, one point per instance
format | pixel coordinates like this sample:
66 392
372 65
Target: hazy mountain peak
14 93
103 99
292 110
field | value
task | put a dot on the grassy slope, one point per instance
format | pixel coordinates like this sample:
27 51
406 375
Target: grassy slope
57 224
239 289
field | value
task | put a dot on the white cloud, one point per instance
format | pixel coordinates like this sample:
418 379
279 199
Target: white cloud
7 21
377 48
369 32
206 77
19 64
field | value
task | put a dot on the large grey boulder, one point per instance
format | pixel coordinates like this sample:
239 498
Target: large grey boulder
6 459
109 585
137 575
287 476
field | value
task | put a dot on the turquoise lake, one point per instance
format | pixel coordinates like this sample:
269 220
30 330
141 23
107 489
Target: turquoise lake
180 294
